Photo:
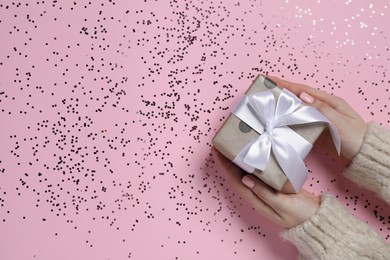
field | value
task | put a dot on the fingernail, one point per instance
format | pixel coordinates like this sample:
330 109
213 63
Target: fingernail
248 182
306 97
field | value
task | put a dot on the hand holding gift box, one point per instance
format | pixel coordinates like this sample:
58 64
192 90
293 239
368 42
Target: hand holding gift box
268 118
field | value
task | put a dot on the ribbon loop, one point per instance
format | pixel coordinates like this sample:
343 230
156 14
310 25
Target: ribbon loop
259 152
271 118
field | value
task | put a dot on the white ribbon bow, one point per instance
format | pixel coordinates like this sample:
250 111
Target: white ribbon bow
271 119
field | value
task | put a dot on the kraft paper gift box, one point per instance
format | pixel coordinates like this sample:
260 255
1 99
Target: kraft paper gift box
235 134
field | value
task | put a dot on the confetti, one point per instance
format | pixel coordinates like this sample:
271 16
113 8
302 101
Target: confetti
108 109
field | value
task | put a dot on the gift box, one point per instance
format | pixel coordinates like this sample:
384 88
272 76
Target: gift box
239 137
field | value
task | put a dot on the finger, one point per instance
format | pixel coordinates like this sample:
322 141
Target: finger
295 88
322 101
298 88
335 102
262 191
253 195
263 208
337 118
310 196
235 174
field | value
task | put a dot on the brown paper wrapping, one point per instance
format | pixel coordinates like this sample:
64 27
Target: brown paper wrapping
235 134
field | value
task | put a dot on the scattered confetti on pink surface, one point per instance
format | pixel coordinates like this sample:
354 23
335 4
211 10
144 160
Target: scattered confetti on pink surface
108 109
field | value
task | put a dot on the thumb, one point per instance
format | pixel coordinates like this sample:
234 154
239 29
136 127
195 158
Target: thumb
329 112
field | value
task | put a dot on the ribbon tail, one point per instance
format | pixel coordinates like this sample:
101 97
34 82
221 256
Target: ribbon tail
306 115
335 137
290 162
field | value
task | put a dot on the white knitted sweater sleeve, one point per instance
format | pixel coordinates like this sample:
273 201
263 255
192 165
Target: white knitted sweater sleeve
371 166
333 233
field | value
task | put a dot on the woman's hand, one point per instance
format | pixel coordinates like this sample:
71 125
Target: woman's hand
289 210
286 210
350 125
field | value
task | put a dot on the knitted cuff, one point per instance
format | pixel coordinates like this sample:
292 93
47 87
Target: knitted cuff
371 166
332 233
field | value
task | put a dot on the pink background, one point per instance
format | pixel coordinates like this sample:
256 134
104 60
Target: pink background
108 108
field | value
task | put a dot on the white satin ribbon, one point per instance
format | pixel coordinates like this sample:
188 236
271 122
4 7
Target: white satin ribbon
271 119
